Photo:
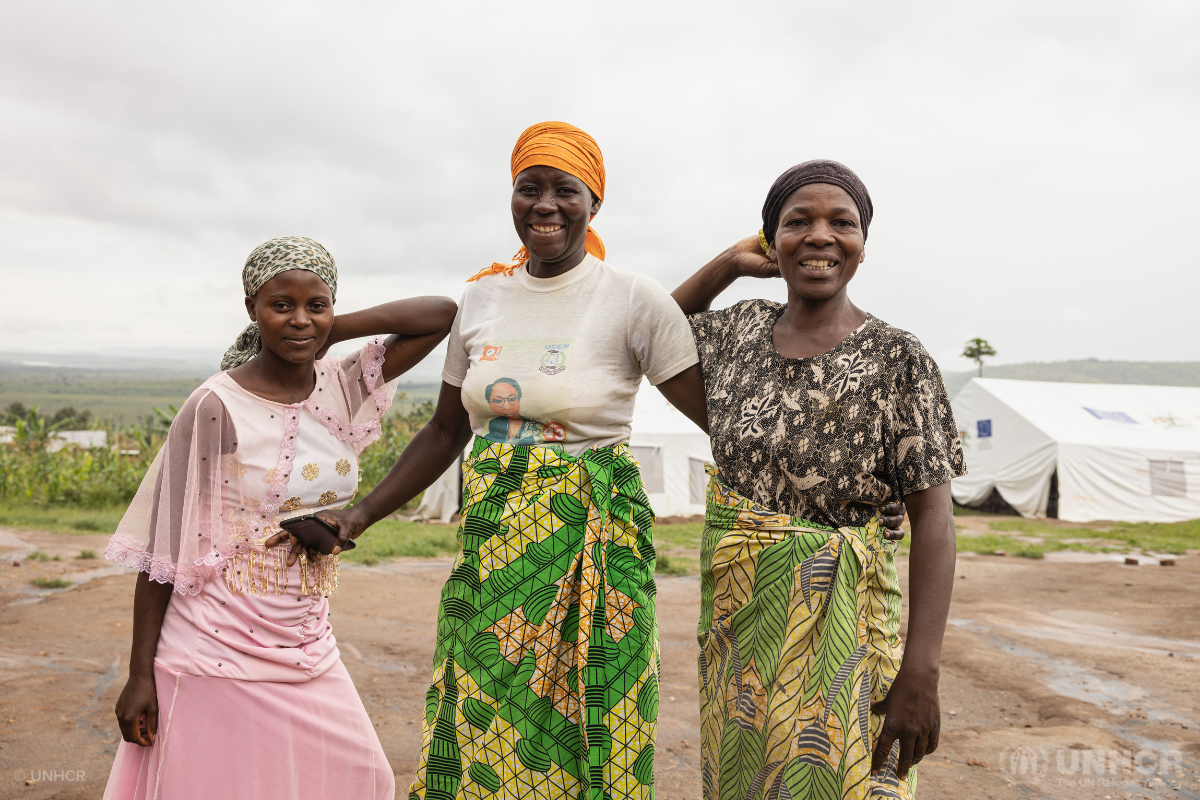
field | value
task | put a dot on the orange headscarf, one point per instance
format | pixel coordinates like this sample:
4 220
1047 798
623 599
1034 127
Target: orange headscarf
565 147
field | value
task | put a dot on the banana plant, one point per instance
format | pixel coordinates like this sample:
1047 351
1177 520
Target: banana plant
32 432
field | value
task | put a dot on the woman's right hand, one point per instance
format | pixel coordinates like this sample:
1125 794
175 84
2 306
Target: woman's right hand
744 260
350 522
137 710
748 261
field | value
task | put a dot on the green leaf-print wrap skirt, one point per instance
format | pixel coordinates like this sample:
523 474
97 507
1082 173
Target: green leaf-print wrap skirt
798 636
545 676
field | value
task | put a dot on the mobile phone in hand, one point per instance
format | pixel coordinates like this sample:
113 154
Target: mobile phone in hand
314 533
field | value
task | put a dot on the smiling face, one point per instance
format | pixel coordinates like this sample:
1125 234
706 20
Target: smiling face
551 211
504 401
819 242
294 312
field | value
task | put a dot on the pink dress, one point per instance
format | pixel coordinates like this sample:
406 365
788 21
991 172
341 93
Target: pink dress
254 701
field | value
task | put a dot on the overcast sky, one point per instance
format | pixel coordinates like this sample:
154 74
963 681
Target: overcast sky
1033 164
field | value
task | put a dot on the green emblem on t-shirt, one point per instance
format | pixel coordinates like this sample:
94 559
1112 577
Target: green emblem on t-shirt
554 361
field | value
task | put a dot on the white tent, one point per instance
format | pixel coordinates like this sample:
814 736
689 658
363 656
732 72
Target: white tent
671 450
441 501
1119 452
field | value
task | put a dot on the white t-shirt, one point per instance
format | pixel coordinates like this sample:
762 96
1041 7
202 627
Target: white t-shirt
558 361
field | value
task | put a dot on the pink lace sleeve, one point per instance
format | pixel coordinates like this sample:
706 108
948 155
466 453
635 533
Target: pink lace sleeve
176 518
367 396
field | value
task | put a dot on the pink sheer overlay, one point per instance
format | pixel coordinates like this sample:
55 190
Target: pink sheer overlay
216 488
360 377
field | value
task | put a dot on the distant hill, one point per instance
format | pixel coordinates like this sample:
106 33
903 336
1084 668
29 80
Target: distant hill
1152 373
191 364
115 389
123 389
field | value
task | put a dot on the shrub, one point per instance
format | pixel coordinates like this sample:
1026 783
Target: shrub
51 583
102 478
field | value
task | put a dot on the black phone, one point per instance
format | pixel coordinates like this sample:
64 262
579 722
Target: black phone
314 533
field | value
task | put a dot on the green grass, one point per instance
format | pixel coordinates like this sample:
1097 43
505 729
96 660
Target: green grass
686 535
1158 537
394 539
38 555
51 583
676 565
683 536
122 396
87 554
990 543
61 519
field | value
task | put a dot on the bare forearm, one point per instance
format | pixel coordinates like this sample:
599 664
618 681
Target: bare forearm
150 600
414 316
698 292
427 456
930 576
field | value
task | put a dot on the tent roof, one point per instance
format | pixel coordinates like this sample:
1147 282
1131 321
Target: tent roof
1102 414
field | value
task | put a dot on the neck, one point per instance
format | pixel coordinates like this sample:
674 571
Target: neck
552 269
803 313
279 379
811 327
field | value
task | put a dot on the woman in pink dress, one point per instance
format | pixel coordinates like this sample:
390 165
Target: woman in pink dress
235 685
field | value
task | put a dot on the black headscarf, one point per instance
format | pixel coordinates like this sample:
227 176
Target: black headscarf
817 171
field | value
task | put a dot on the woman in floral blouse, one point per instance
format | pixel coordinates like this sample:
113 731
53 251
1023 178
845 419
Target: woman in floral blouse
819 414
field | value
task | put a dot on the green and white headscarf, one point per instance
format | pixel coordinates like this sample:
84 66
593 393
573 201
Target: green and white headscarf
268 260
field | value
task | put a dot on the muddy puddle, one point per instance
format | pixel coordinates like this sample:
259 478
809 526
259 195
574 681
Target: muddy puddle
1130 708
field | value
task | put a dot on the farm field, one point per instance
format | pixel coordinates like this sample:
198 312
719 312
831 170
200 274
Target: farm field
1072 653
124 391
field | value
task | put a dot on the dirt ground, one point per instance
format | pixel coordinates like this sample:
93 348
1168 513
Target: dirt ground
1060 679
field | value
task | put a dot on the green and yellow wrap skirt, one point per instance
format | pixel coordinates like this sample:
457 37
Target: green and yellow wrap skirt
798 637
545 681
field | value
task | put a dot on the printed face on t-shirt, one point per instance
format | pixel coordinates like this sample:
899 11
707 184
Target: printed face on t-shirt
505 401
520 390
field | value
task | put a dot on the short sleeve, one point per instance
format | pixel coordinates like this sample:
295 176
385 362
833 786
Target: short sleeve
368 396
707 325
717 333
923 435
660 338
458 361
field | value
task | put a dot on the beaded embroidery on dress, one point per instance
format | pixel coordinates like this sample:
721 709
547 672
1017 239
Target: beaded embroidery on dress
227 477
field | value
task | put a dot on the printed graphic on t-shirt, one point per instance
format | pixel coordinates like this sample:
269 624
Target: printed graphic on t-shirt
521 393
554 360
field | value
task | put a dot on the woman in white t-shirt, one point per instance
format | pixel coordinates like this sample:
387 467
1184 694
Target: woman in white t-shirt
546 667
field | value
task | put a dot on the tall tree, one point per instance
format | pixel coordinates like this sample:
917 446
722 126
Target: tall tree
978 349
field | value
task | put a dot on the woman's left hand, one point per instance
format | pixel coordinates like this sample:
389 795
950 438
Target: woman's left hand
890 518
914 719
296 547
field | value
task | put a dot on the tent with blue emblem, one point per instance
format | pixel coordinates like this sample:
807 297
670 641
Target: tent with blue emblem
1081 451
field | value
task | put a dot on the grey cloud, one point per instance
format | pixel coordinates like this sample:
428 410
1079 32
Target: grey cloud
1004 143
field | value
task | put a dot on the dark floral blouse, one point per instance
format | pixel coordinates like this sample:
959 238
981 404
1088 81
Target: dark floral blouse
828 438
